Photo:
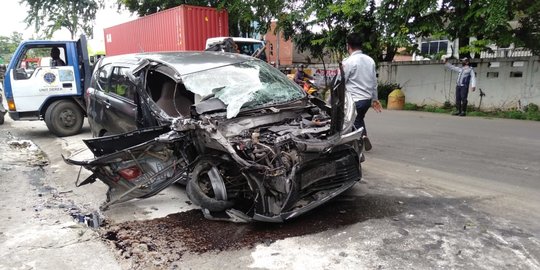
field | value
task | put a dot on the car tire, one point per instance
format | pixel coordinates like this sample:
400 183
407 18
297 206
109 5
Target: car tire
1 117
64 118
198 196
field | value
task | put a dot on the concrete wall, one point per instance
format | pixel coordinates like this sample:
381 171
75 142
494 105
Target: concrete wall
429 83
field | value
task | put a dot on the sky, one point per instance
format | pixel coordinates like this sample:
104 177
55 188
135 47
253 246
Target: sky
12 16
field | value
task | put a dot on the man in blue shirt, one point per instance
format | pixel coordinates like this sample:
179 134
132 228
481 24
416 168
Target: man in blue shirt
361 81
465 78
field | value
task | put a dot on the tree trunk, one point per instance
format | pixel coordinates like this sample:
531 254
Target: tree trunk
390 53
463 42
323 93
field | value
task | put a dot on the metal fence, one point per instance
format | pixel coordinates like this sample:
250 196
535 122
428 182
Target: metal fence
503 53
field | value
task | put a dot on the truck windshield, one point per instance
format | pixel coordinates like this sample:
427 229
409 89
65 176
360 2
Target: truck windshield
248 48
249 85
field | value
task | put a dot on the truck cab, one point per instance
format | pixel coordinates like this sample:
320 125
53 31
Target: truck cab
39 85
247 46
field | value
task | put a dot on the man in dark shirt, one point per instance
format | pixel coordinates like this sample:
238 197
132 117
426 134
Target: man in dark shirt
56 61
300 75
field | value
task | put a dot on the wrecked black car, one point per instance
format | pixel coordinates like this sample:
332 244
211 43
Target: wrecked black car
247 142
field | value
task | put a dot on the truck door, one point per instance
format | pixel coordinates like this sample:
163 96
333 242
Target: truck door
84 60
34 77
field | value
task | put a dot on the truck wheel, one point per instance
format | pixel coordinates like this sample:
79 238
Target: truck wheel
64 118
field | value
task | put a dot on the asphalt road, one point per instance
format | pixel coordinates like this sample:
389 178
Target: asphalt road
501 150
479 156
438 192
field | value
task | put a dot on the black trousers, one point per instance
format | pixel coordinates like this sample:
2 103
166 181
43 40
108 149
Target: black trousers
461 98
362 106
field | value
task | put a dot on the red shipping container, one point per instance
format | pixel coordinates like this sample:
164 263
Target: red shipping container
182 28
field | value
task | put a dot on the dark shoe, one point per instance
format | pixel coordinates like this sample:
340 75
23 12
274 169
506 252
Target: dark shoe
367 143
462 114
456 113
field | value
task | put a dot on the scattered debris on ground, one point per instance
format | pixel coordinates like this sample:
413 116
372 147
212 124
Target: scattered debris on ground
165 240
34 155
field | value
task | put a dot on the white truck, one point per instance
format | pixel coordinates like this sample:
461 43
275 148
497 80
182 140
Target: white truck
45 91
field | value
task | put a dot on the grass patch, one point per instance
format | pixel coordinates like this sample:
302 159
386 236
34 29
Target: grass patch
478 113
410 107
530 112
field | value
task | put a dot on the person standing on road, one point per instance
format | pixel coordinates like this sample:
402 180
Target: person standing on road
465 78
361 81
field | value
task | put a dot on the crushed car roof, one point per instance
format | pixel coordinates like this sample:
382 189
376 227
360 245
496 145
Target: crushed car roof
183 62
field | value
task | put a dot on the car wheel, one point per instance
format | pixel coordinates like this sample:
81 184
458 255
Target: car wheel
202 192
64 118
1 117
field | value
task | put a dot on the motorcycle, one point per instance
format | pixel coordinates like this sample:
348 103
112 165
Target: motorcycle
310 88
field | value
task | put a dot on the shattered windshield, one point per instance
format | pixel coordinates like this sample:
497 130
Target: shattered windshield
248 85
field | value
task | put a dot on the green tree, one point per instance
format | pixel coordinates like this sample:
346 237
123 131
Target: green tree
385 28
320 26
400 22
528 31
8 45
485 20
48 16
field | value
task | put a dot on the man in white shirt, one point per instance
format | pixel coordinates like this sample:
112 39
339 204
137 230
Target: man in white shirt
465 78
361 81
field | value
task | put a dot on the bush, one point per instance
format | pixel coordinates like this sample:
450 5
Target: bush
447 105
434 109
429 108
516 115
512 114
383 103
384 89
471 108
410 107
533 116
531 108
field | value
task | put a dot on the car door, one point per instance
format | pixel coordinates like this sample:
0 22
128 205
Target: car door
137 164
113 109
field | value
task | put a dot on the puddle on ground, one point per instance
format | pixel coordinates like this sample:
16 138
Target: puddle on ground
172 236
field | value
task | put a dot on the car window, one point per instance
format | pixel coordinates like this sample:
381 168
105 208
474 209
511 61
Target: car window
103 78
120 83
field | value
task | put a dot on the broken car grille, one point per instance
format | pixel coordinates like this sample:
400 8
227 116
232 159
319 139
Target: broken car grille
330 175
